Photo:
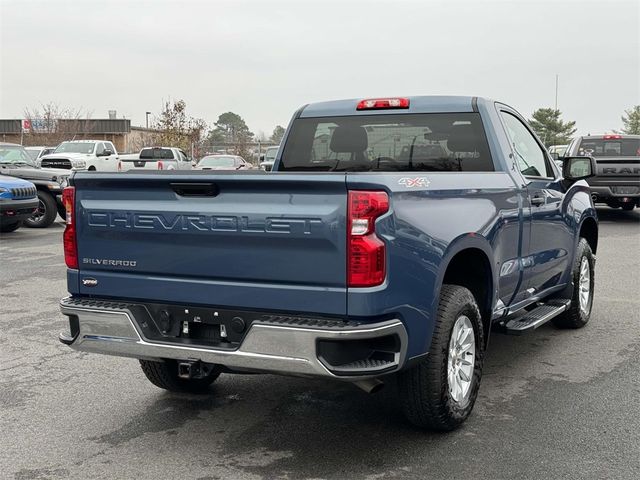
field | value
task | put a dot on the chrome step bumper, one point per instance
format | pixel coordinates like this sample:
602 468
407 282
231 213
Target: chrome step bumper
110 328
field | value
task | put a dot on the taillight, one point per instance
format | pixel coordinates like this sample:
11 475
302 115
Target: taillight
69 236
160 165
383 103
611 137
366 257
119 166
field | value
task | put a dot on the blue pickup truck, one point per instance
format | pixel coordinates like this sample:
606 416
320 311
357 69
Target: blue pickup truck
392 236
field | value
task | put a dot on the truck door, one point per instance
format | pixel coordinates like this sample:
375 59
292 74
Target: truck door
111 160
183 162
104 162
546 253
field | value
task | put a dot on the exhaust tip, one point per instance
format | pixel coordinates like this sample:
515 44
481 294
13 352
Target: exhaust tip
372 385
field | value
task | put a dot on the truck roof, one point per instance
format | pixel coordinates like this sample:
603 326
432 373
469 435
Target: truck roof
417 104
157 147
609 136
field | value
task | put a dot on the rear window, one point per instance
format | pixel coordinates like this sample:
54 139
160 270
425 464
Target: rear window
446 142
217 162
614 147
156 153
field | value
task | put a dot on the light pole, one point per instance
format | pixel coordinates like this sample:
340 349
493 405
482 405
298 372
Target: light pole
147 115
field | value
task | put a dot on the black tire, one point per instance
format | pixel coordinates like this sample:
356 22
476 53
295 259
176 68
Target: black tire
575 316
164 374
10 227
46 213
91 169
424 390
627 207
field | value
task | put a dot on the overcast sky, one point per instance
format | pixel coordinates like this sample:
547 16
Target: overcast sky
264 59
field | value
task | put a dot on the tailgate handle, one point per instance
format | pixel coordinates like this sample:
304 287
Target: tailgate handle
195 189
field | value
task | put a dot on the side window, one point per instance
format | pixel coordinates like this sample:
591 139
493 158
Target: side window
110 146
531 158
183 156
100 149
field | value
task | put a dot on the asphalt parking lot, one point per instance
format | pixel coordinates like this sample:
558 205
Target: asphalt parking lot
553 404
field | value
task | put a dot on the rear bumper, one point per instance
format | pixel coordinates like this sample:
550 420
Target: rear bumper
111 328
629 192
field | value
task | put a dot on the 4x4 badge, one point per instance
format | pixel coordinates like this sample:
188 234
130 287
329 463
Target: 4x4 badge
89 282
412 182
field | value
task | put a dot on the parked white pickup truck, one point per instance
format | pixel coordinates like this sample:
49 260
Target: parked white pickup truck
155 158
83 155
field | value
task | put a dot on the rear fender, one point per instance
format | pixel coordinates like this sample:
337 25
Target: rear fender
463 242
577 208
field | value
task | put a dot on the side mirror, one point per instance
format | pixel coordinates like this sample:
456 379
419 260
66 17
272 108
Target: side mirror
107 153
578 168
262 157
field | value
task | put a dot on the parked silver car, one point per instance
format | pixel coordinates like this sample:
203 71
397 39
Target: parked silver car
223 162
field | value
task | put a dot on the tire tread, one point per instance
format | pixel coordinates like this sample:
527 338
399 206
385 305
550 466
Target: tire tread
573 316
421 387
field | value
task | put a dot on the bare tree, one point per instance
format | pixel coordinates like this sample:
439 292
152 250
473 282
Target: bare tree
52 124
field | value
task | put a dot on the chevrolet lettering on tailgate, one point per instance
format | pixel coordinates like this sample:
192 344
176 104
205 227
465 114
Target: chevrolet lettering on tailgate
221 223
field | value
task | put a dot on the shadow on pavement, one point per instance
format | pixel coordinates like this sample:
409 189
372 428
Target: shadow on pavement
618 215
268 425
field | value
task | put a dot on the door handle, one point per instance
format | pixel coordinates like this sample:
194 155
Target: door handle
538 200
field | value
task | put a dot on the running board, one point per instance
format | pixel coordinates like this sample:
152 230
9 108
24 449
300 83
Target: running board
532 319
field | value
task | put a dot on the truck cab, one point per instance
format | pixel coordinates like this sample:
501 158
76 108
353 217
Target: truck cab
268 158
91 155
156 158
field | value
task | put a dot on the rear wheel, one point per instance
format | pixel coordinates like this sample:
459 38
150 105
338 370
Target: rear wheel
579 312
164 374
439 392
46 212
10 227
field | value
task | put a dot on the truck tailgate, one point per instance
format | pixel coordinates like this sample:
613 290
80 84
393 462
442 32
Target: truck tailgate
616 172
233 239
